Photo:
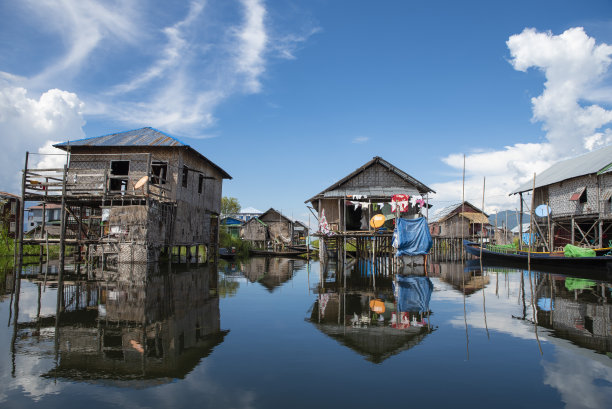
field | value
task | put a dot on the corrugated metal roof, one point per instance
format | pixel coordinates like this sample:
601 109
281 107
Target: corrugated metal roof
444 212
592 162
137 137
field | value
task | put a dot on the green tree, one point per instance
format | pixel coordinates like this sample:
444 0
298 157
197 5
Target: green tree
229 205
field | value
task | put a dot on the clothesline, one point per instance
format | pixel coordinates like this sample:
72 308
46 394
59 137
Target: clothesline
402 201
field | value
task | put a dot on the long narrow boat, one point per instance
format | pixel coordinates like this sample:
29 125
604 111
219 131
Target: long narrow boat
539 259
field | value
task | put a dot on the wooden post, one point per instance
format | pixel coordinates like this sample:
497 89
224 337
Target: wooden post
573 227
531 228
600 233
62 248
19 236
521 222
462 206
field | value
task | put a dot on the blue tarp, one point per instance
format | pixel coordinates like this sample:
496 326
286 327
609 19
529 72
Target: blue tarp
411 237
414 293
526 237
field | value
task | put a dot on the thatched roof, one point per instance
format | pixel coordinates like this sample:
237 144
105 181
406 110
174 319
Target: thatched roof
410 185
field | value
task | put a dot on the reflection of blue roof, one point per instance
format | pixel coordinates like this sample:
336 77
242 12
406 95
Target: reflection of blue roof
137 137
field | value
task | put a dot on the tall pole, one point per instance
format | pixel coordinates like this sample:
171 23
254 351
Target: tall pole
462 208
62 249
531 227
521 223
19 236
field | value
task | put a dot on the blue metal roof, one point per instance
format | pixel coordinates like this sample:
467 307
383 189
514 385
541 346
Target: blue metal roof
137 137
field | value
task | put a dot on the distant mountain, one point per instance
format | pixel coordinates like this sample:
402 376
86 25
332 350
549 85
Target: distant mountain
512 218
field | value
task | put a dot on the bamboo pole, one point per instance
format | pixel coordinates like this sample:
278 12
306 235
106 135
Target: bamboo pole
482 273
463 208
62 248
531 225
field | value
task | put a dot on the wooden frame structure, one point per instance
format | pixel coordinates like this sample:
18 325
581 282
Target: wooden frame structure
578 192
373 185
164 194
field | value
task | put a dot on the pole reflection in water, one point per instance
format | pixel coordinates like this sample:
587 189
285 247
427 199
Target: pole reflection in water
155 338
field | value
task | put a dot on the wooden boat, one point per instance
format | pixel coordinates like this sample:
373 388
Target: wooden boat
227 253
540 259
273 253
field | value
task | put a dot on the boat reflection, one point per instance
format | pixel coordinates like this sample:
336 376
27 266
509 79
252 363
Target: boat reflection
567 306
137 324
375 315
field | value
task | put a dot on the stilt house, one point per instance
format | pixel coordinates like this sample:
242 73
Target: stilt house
350 203
273 228
578 192
9 211
131 194
459 220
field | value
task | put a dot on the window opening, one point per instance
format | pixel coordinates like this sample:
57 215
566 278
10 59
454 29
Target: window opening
185 171
200 183
119 168
159 172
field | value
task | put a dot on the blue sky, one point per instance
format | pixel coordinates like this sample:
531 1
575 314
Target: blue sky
290 96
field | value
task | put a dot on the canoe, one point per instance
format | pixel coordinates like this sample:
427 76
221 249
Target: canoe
538 259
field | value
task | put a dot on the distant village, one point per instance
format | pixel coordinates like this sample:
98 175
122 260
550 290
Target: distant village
139 195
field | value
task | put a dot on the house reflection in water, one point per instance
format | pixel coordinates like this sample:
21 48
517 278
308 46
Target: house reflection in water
139 325
467 278
576 309
269 272
376 316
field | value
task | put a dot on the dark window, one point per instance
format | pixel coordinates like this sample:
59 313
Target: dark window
119 168
159 172
185 172
200 183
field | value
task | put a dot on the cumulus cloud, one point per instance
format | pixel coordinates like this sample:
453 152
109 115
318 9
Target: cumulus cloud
170 70
575 68
27 124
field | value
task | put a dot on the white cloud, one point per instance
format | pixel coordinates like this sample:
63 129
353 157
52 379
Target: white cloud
574 67
252 41
360 139
82 26
168 68
27 124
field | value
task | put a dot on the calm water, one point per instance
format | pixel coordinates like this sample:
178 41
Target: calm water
284 333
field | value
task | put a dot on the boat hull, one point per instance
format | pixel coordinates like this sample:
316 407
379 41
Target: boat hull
603 263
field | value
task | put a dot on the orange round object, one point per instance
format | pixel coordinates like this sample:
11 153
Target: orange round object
377 220
377 306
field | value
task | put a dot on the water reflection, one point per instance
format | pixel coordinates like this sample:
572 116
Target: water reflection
136 324
375 314
271 273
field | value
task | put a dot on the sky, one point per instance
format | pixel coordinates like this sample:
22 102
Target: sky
290 96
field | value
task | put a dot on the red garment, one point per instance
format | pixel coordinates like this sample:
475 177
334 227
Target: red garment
400 198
